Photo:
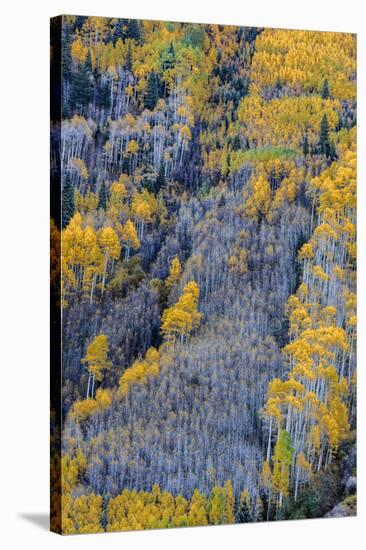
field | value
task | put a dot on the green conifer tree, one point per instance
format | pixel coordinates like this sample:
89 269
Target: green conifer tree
133 30
152 92
325 90
103 197
82 88
128 62
324 140
68 201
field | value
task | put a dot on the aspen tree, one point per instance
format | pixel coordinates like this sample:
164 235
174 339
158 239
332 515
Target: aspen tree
130 238
282 459
175 273
140 371
183 317
144 208
197 515
109 244
97 362
83 514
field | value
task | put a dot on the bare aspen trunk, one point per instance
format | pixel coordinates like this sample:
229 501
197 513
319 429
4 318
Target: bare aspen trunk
88 388
269 438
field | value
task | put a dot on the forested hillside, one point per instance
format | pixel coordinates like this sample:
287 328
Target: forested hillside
208 274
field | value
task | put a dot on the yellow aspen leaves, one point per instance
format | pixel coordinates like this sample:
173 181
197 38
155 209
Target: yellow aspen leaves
110 247
283 122
78 51
140 371
96 357
151 510
132 147
266 476
300 59
109 243
72 468
306 252
282 459
186 133
174 273
79 166
82 514
83 409
319 273
118 195
258 203
129 238
97 362
182 318
144 208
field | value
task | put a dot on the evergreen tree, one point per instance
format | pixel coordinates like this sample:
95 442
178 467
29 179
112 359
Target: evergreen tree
168 58
222 201
103 197
68 201
82 88
104 96
126 165
119 30
160 180
88 62
168 61
325 147
236 143
66 59
305 146
128 62
152 92
79 22
325 90
133 30
243 514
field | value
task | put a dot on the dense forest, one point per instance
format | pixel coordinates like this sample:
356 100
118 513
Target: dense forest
207 274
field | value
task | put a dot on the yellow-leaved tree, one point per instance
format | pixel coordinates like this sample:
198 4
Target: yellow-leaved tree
140 371
96 360
111 249
174 273
130 238
182 318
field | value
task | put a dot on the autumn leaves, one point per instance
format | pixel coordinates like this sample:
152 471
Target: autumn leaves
300 59
183 317
89 254
310 411
178 322
263 114
136 510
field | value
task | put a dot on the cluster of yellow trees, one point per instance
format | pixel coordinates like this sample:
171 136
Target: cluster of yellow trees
178 322
274 129
191 70
300 59
132 510
273 185
89 254
285 121
309 413
295 62
183 317
140 370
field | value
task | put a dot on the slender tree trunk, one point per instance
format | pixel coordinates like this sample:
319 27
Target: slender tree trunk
269 438
88 388
93 384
